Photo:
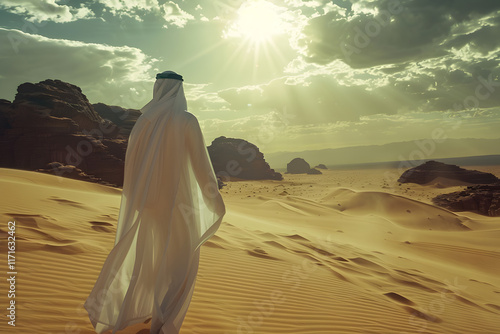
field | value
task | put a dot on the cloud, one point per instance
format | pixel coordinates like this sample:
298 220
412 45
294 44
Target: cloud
113 75
392 31
175 15
243 97
49 10
128 5
310 99
428 63
462 80
168 11
278 130
201 100
45 10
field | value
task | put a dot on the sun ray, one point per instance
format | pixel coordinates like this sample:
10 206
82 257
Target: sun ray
200 54
236 54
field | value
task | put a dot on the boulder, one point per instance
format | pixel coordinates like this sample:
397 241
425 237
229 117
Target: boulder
431 170
298 166
321 166
485 199
232 157
313 171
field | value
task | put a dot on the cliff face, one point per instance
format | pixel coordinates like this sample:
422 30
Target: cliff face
485 199
123 118
52 121
232 157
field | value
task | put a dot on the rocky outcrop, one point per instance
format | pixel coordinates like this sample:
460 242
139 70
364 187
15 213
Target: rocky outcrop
321 166
485 199
431 170
314 171
123 118
52 121
232 157
61 100
297 166
69 171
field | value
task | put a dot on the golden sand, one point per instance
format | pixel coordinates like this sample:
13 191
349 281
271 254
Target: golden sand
342 252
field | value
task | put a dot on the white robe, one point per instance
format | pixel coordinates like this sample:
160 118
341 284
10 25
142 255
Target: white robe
170 206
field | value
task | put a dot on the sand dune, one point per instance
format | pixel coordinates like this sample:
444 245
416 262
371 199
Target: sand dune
341 252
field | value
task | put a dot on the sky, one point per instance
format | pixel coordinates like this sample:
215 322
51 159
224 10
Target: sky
286 75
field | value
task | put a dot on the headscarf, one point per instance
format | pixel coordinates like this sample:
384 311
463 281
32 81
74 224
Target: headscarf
168 94
170 206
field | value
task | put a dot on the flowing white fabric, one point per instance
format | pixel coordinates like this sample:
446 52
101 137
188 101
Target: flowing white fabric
170 206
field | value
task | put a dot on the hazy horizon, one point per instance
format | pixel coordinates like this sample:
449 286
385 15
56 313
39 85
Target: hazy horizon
286 75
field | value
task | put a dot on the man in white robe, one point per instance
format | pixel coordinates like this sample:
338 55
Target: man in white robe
170 206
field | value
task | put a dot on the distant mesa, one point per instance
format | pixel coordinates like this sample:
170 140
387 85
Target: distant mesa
314 171
298 166
321 166
431 170
485 199
238 158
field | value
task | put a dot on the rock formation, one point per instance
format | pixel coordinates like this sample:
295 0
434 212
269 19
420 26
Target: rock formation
313 171
482 198
431 170
321 166
297 166
69 171
232 157
52 121
123 118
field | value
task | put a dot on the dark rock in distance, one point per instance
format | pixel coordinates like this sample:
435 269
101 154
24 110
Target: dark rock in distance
233 157
313 171
298 166
431 170
321 166
484 199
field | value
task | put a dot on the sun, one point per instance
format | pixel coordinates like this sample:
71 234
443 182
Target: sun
257 21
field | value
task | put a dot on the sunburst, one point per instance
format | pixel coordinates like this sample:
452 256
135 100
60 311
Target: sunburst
257 21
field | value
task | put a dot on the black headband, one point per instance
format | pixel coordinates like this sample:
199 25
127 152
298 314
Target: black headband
169 75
